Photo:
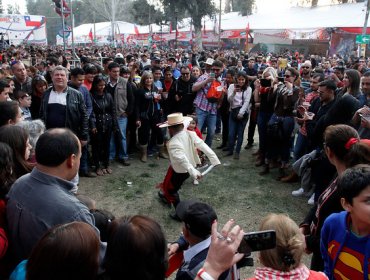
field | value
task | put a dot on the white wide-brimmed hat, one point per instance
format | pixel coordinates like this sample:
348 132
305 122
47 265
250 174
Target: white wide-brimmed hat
175 119
209 61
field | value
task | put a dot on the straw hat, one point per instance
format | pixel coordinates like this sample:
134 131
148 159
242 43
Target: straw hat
209 61
175 119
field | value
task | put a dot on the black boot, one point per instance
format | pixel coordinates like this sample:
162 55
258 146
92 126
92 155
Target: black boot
282 173
266 169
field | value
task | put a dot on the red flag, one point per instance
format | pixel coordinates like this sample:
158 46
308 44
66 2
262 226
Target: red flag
136 29
91 35
247 32
171 27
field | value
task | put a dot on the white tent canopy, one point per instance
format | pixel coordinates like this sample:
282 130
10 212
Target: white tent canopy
296 18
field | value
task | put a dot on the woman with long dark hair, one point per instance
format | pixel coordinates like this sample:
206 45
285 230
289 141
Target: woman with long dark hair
239 96
137 249
39 85
148 114
18 139
344 149
103 123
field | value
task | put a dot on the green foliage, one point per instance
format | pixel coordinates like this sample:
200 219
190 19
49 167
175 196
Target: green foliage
143 13
245 7
196 9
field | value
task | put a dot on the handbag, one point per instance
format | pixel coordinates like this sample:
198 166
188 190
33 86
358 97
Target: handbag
212 94
235 112
275 130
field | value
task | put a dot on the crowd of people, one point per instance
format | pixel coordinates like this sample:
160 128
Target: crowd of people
60 121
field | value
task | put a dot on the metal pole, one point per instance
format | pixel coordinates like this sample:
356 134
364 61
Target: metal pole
113 2
176 28
63 25
94 35
73 26
219 28
366 17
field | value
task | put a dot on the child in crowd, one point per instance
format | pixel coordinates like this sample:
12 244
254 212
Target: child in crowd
345 236
24 100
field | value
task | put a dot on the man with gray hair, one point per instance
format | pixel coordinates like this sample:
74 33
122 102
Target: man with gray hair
63 106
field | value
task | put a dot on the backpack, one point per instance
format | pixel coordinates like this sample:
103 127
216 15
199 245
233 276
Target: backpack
213 95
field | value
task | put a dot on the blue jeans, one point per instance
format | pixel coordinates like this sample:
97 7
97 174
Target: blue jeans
236 133
122 124
282 149
84 165
300 147
207 120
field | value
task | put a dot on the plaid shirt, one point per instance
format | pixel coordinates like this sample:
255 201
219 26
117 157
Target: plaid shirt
201 100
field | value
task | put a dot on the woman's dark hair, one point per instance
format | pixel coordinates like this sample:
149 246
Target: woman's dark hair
96 81
6 169
16 137
103 219
3 84
90 69
136 249
244 75
336 137
36 80
69 251
55 146
354 78
353 181
8 111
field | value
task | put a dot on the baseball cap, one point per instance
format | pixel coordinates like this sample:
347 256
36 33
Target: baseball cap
197 216
119 55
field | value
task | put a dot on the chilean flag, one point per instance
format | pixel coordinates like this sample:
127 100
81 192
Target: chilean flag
31 21
136 30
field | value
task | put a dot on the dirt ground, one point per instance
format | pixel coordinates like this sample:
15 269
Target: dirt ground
234 189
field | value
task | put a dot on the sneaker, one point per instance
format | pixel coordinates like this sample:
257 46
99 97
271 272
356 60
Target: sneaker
163 199
249 145
299 192
311 201
196 182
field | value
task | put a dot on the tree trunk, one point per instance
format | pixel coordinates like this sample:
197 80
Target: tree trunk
314 3
227 6
197 22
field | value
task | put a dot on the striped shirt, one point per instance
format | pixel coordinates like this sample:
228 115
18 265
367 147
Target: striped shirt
201 101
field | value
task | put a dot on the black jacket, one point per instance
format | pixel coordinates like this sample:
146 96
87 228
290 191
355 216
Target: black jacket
184 91
76 115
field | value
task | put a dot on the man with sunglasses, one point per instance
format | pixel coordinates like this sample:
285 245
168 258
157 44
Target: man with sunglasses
205 110
305 70
181 96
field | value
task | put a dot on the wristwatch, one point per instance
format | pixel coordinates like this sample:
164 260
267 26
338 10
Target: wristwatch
202 274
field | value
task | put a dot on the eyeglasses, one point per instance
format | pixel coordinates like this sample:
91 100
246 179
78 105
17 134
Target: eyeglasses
216 69
287 76
185 73
305 67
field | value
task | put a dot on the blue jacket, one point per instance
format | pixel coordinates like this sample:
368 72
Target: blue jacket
342 250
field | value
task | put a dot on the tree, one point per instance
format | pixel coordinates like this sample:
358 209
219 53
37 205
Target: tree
110 10
245 7
143 13
196 9
13 9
